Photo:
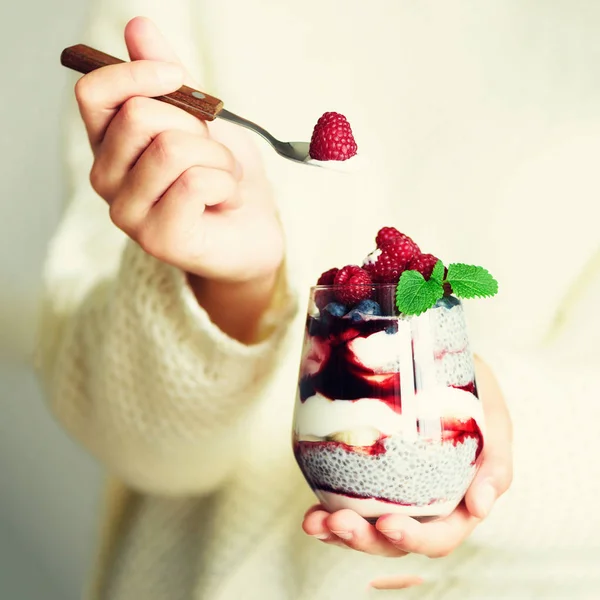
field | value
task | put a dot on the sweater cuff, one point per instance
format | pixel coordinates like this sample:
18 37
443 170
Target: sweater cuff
167 303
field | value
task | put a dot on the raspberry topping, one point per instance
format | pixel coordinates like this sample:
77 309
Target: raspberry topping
403 250
424 263
349 293
387 264
385 235
332 138
327 277
354 284
324 297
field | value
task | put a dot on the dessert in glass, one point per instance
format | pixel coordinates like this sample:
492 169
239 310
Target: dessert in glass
387 416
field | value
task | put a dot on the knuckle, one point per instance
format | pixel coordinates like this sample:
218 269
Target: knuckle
132 111
121 217
209 186
146 240
228 185
166 148
229 158
98 180
83 90
117 214
153 243
206 185
193 183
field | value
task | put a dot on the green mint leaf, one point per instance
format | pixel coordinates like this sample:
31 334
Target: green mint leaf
414 295
470 281
438 272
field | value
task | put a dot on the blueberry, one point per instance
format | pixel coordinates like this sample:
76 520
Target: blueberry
368 307
334 309
447 302
364 308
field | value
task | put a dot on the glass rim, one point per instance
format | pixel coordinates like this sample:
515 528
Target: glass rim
378 286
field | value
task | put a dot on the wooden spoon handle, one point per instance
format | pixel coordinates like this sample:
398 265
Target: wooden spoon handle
83 59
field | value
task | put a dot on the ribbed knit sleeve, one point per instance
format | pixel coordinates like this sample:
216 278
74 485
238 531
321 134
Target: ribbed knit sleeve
138 373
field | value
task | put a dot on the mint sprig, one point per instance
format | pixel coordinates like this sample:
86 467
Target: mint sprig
415 295
469 281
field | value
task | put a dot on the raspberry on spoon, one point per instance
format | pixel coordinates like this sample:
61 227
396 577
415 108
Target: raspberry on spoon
332 138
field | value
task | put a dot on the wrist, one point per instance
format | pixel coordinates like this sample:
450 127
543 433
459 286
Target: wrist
236 307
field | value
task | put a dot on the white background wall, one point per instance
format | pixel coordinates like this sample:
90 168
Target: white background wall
48 488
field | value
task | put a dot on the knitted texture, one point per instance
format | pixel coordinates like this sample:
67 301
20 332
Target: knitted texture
122 413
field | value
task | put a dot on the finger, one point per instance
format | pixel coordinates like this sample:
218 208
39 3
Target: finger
312 509
145 40
495 474
360 535
173 230
101 92
162 163
396 582
315 524
433 539
130 132
173 227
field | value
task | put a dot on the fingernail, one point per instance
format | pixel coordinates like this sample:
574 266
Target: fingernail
169 73
485 498
343 535
392 534
321 536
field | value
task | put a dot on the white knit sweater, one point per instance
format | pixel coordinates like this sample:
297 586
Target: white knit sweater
478 124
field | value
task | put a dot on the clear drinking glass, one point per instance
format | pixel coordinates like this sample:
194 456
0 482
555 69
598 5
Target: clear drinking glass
387 417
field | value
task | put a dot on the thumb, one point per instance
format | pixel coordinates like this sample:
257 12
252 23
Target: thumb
492 480
495 475
145 41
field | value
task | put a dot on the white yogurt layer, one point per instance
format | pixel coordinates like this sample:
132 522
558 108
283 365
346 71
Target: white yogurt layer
372 508
441 349
381 352
447 402
320 417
